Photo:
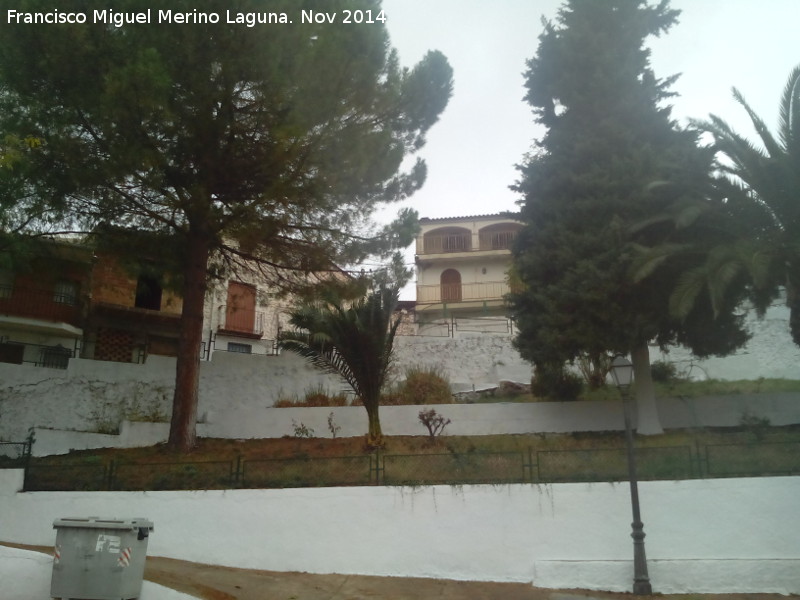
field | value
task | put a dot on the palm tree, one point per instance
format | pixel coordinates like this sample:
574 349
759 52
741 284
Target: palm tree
745 231
771 180
353 341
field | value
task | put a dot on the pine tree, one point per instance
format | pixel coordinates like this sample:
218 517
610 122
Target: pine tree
273 143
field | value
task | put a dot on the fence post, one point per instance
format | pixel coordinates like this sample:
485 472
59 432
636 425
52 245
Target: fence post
701 473
529 465
378 468
111 475
237 476
27 450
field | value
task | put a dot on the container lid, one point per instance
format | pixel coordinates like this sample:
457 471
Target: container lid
101 523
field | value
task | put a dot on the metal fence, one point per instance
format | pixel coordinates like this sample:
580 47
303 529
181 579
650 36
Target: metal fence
526 466
39 355
15 454
451 326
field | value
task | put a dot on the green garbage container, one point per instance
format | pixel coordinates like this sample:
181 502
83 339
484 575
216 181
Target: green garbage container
99 559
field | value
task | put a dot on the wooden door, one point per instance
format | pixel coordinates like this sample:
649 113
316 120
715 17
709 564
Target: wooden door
451 286
240 314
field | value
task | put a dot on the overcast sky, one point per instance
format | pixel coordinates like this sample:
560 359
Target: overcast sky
487 128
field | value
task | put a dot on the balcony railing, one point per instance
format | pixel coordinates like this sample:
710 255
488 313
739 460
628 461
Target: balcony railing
46 305
54 357
238 321
438 244
497 240
488 240
465 292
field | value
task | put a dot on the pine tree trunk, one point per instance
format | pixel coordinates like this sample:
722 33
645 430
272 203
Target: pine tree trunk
375 435
647 420
182 432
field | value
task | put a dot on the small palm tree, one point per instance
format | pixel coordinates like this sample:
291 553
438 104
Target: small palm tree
353 341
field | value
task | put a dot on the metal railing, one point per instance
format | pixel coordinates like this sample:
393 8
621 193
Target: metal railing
16 454
252 346
449 326
464 292
38 355
46 305
440 244
462 242
448 468
497 240
234 320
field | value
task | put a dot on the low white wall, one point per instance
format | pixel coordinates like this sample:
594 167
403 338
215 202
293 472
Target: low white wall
712 536
466 419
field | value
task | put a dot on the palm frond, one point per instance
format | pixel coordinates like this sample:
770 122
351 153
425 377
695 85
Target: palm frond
789 114
773 147
648 260
687 290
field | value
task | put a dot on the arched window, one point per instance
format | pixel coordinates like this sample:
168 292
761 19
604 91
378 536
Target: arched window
451 286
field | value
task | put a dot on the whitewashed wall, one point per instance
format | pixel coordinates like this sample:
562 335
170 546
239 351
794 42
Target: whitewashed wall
769 353
97 396
466 419
712 536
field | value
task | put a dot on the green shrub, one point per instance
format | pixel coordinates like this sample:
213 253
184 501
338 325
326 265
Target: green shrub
663 372
422 385
426 385
317 396
553 381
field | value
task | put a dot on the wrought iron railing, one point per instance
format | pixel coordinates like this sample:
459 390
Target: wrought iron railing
438 244
235 320
464 292
46 305
497 240
39 355
462 242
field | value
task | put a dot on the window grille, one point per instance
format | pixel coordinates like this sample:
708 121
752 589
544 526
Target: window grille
66 292
240 348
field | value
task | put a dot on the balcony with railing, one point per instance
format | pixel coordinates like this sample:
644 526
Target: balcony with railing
448 243
40 304
240 322
445 243
449 293
497 240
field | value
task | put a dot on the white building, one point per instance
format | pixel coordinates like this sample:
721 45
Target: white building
462 265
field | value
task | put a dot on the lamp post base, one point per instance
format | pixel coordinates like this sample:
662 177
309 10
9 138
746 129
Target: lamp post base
641 579
642 588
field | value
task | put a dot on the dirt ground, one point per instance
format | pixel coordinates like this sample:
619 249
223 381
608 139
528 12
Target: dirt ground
221 583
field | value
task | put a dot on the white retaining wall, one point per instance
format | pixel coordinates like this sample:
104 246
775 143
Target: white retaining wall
466 419
95 396
703 536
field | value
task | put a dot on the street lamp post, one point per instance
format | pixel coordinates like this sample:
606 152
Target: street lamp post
622 372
